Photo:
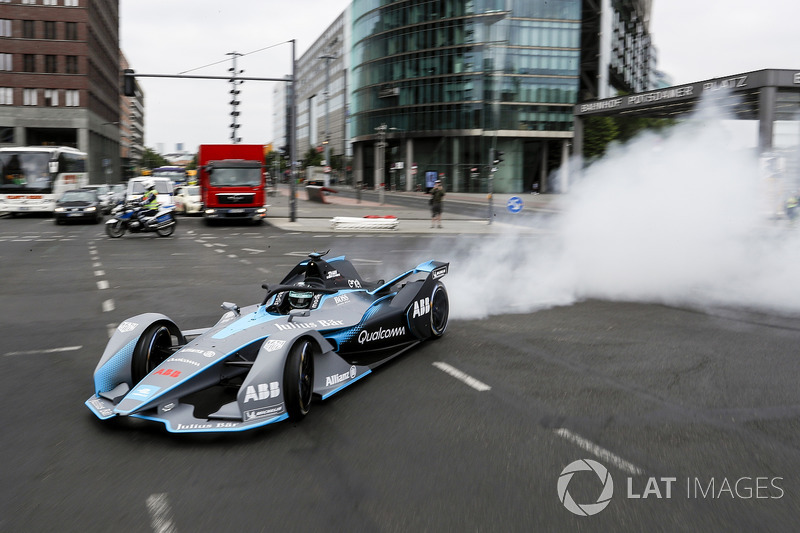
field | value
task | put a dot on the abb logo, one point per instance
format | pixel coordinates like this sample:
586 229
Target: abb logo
169 372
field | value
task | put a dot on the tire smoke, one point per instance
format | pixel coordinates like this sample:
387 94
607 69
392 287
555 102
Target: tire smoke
683 217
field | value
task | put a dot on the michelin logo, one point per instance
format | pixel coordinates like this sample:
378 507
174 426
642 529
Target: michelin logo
439 272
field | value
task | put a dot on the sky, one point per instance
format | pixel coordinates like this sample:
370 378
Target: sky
696 40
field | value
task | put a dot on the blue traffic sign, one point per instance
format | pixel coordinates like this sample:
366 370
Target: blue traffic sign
514 204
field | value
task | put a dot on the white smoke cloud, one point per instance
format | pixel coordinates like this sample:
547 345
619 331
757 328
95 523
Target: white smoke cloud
679 218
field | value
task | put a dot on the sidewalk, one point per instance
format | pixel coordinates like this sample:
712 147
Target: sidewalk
312 216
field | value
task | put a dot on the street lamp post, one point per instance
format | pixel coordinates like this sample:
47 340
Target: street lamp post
327 141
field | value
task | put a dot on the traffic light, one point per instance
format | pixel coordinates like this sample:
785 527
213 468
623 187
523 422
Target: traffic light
497 158
128 82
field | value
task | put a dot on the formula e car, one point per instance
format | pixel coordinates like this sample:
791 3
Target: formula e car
319 330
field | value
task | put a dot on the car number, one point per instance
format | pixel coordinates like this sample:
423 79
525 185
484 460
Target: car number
236 211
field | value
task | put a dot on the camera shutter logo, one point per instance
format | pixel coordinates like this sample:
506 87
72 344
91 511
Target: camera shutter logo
585 509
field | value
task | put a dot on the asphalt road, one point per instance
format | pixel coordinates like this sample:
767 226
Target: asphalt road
693 414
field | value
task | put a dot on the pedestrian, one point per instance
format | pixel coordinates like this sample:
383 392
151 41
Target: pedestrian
437 194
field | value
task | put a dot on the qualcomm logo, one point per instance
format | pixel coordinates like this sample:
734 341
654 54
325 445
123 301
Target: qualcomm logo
585 509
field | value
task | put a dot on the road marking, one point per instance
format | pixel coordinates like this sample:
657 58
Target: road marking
97 264
461 376
232 256
108 305
102 284
160 514
599 452
99 273
253 250
51 350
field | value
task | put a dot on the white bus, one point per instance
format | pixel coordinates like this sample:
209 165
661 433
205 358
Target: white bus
32 178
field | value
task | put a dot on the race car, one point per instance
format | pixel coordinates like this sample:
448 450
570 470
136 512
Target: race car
319 330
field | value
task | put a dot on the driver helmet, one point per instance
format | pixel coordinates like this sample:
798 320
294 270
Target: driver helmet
300 299
149 185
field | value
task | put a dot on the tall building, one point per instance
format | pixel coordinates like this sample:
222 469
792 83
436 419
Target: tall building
322 93
60 78
131 128
437 88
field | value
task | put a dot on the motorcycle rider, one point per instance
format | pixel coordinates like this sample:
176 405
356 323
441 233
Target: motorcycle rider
149 201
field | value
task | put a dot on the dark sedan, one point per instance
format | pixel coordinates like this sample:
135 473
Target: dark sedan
79 205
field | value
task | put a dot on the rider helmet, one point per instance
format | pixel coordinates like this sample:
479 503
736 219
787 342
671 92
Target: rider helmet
149 185
300 299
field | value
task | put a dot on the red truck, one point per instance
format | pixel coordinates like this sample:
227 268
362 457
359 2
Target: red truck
232 181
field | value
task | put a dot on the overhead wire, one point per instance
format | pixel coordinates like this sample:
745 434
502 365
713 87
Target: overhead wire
240 55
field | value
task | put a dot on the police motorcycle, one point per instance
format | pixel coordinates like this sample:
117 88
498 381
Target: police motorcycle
126 217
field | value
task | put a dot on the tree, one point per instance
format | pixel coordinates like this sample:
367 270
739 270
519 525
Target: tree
152 159
312 158
599 132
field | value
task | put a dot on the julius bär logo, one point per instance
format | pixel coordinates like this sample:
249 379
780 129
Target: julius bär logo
585 509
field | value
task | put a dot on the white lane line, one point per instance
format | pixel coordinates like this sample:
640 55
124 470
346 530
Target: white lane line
108 305
253 250
102 284
51 350
97 264
599 452
99 273
160 514
461 376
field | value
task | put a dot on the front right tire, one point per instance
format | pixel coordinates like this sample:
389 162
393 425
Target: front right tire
160 340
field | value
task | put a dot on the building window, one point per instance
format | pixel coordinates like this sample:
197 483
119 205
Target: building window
28 29
51 97
31 2
29 63
29 96
72 65
71 3
71 98
51 2
5 62
6 134
50 64
71 31
6 96
5 28
49 29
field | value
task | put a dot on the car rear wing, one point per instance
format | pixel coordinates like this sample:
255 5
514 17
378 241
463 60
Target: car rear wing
435 269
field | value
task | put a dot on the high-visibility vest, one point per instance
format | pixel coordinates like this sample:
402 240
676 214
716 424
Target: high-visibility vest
150 200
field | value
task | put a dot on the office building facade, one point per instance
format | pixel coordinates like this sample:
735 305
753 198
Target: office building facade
60 85
439 87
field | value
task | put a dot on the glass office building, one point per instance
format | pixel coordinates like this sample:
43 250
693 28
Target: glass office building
438 84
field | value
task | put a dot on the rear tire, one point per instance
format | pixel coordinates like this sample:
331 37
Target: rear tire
153 347
440 310
298 379
115 230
